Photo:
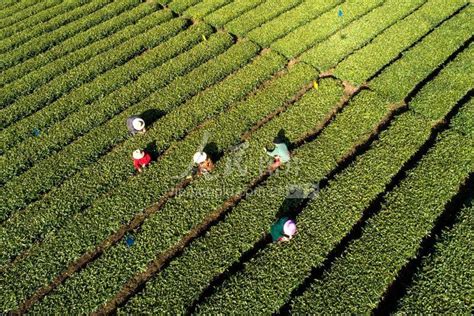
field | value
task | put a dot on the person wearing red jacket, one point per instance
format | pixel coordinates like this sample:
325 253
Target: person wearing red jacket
141 159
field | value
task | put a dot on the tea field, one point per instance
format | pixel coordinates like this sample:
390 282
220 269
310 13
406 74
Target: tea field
372 97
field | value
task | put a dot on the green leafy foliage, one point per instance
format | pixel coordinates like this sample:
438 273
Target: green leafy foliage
15 17
180 6
417 63
454 80
73 71
29 79
40 17
258 16
88 15
357 186
224 242
204 8
88 70
365 63
308 35
286 266
344 42
231 11
392 237
79 191
443 284
93 87
128 199
464 121
8 7
290 20
96 114
190 210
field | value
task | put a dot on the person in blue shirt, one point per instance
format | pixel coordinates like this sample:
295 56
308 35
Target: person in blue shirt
278 150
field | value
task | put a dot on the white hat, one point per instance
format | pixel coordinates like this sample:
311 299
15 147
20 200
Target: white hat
199 157
289 228
138 124
138 154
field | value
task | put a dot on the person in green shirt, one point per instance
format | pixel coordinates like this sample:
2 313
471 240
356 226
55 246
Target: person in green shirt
283 230
278 150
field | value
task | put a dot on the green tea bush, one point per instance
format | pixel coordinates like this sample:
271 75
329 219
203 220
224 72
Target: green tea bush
308 35
95 115
70 53
357 281
128 199
96 179
231 11
443 284
91 83
386 47
289 20
258 16
19 48
359 33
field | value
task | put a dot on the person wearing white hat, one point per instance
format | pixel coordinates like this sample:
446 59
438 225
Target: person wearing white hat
283 230
203 162
135 125
141 159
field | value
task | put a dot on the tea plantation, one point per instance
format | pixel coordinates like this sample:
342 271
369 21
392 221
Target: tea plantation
372 97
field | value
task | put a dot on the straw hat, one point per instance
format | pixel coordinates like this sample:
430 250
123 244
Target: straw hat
199 157
138 154
289 228
138 124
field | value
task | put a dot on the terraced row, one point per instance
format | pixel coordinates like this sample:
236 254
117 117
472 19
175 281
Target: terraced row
466 29
68 292
114 168
8 7
359 33
204 8
130 261
268 281
38 18
392 238
96 77
372 57
231 11
443 283
62 84
176 146
23 79
329 38
19 48
94 115
124 201
17 13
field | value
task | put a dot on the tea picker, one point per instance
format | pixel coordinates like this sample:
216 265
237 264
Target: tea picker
203 162
280 153
141 159
136 125
283 230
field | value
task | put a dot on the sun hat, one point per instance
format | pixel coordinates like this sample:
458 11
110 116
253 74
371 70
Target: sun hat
138 154
289 228
270 146
138 124
199 157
